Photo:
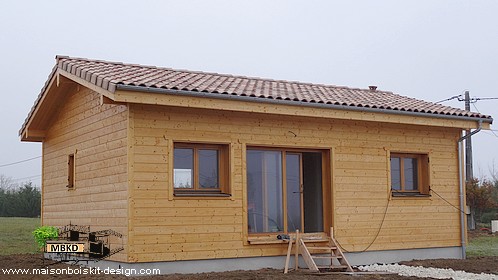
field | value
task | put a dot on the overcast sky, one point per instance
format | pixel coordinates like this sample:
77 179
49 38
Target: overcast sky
430 50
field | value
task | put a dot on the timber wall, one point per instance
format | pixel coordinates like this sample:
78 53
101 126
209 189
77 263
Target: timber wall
166 228
97 135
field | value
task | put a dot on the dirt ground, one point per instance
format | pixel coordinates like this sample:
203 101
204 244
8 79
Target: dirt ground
476 265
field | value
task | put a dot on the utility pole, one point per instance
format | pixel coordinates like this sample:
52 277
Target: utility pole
469 172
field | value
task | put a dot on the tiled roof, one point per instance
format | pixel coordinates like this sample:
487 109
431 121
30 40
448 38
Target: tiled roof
111 75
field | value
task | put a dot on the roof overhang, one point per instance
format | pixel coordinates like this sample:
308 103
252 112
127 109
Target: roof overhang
159 96
50 99
60 82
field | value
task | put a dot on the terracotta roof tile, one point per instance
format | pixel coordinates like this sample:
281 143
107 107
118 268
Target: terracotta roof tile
109 75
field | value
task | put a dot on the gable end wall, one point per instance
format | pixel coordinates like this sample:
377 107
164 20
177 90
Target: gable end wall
97 135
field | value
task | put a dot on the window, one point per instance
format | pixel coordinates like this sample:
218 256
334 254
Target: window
409 174
70 172
200 169
284 191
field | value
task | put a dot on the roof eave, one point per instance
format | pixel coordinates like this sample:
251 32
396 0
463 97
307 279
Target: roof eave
39 100
122 87
27 134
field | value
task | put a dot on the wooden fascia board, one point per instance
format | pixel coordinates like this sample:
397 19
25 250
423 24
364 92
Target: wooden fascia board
86 84
284 109
485 126
33 114
106 100
32 135
55 81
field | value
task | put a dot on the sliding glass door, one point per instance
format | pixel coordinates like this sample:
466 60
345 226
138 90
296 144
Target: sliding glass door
284 191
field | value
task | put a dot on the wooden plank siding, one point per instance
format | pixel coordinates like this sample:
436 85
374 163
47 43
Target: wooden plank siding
166 228
97 135
123 178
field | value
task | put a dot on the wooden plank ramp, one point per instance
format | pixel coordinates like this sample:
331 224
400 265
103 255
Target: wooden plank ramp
319 259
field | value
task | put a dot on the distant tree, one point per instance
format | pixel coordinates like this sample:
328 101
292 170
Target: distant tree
28 201
480 197
494 181
3 202
7 202
6 186
15 201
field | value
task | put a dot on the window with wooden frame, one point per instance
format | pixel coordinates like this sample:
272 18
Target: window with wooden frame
70 171
200 169
409 174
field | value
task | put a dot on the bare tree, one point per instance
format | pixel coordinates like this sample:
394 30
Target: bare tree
6 183
494 172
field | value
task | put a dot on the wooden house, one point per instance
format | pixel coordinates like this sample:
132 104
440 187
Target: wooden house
202 171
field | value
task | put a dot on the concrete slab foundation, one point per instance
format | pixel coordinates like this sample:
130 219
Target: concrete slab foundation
277 262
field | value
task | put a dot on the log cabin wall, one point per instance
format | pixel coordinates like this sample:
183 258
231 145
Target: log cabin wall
167 228
97 137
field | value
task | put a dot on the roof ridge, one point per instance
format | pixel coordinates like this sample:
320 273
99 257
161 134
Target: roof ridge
59 57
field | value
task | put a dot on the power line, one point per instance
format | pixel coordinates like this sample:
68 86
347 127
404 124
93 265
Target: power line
475 99
473 104
456 207
380 227
485 98
492 133
475 107
472 100
26 178
21 161
451 98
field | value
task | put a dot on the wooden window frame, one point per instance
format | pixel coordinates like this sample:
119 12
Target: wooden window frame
223 170
71 167
423 184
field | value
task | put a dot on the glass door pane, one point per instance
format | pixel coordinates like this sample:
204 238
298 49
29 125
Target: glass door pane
294 191
264 191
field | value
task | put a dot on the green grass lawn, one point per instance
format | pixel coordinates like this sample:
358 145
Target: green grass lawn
483 246
15 235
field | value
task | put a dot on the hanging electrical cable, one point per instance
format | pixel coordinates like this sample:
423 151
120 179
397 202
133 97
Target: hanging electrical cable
21 161
448 99
27 178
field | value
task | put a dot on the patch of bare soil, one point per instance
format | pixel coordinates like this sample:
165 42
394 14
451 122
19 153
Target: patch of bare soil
483 232
477 265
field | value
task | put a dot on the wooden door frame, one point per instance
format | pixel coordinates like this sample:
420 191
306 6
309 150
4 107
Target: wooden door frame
327 182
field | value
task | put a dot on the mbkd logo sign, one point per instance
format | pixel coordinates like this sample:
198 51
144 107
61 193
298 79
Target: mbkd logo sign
64 247
74 242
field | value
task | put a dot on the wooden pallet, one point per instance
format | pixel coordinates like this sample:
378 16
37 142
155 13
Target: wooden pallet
336 261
